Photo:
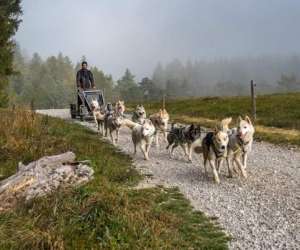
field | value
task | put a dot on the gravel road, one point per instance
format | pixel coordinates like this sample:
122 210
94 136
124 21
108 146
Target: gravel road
262 212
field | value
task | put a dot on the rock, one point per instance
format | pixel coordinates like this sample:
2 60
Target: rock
43 176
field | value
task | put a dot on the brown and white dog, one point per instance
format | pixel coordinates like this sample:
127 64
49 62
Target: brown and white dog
160 121
214 147
120 108
98 115
240 145
113 124
142 134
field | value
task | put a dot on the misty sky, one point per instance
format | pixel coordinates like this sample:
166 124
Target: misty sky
115 34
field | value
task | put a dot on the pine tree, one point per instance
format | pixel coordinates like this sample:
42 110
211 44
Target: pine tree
10 12
127 87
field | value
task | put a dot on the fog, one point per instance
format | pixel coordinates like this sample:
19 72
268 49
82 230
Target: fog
137 34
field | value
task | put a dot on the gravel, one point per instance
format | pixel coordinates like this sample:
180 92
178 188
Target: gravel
262 212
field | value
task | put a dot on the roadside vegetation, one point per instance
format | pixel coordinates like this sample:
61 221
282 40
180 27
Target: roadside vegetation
278 115
108 212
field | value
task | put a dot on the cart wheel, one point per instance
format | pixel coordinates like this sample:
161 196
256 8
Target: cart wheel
73 111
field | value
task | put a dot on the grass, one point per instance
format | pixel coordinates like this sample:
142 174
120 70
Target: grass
107 213
278 115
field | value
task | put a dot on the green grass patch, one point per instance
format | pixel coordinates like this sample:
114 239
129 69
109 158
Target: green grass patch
278 115
106 213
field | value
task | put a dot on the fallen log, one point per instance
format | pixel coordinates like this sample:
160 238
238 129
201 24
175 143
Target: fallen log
43 176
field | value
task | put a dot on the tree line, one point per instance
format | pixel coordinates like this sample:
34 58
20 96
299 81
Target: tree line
228 77
50 83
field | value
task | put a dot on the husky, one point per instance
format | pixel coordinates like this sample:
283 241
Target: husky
214 147
142 134
98 115
240 144
120 108
113 124
185 137
139 115
160 121
109 111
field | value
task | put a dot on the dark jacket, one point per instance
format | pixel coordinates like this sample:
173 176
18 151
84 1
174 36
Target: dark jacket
85 79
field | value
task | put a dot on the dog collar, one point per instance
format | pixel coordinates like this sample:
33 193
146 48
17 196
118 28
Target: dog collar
242 142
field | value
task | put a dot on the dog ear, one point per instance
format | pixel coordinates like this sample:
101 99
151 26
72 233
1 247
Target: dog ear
240 119
192 126
216 130
247 118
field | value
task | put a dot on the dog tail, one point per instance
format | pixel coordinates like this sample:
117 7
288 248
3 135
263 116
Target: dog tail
198 150
130 124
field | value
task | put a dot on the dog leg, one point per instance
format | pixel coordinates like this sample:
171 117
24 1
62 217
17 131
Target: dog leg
117 135
245 156
241 167
205 168
143 149
134 148
215 172
98 126
219 165
106 130
165 136
175 145
183 146
148 146
102 128
111 136
157 139
229 167
190 151
95 119
169 148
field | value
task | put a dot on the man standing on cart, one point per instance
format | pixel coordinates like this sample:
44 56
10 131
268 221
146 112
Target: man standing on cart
84 81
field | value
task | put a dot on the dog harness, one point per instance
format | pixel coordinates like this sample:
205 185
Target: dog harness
240 145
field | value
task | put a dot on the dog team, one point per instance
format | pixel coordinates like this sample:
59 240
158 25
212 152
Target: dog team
222 144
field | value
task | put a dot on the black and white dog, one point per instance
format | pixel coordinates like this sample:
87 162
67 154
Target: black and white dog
184 137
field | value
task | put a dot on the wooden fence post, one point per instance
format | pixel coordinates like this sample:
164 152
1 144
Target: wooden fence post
253 99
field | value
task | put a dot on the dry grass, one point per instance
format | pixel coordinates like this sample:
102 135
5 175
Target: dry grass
278 115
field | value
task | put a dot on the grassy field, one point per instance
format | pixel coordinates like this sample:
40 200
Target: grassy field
278 115
107 213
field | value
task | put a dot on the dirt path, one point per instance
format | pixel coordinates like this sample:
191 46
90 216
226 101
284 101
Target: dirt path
260 213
